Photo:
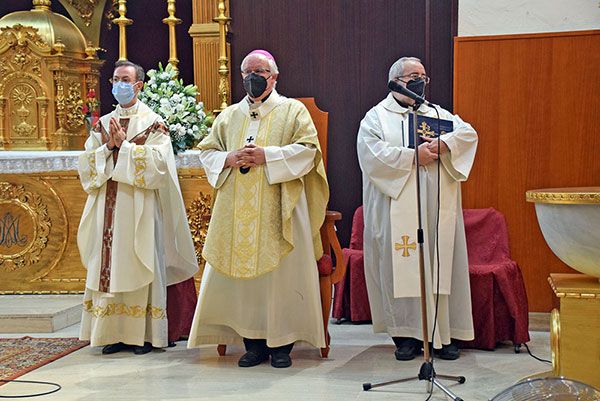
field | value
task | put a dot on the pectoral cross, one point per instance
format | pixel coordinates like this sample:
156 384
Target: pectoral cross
250 139
254 114
405 246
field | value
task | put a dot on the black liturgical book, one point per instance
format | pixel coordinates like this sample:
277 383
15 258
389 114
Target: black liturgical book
428 127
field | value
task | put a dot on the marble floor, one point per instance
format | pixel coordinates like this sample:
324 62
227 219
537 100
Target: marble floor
357 356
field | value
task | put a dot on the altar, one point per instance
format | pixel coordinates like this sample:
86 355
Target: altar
41 201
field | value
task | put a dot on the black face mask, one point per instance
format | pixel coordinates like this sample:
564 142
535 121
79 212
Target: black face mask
417 86
255 85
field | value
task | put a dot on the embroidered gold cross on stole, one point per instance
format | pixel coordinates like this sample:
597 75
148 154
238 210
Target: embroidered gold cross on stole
405 246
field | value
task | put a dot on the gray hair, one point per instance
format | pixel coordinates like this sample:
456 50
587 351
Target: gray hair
272 64
140 75
397 69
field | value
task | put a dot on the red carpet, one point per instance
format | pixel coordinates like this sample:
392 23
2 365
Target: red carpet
21 355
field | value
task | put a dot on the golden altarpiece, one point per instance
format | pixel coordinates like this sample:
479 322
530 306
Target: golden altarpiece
46 70
47 65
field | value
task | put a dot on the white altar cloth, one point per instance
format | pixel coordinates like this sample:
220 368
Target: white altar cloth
23 162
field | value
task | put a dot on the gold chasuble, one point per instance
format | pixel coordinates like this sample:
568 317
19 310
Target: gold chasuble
251 225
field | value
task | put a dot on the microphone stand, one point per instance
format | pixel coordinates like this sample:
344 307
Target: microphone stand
426 372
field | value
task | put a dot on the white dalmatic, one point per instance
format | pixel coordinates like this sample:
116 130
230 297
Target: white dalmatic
390 215
133 237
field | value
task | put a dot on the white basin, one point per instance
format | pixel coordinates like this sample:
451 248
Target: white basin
570 222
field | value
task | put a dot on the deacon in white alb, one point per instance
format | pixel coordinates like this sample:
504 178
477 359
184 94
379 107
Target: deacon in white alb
134 237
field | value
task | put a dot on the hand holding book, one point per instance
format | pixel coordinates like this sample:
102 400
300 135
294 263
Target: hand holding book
429 128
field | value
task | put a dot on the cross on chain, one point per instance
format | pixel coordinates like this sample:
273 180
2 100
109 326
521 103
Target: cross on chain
250 139
254 114
405 246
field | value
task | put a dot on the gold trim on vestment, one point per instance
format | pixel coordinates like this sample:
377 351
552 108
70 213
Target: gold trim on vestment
139 162
136 311
91 158
248 201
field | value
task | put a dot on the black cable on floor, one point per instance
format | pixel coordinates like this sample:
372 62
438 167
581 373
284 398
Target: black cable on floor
56 385
535 357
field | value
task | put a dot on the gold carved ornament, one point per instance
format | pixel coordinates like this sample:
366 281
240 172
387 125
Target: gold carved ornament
24 226
74 107
589 195
69 104
23 96
198 214
17 42
20 36
85 9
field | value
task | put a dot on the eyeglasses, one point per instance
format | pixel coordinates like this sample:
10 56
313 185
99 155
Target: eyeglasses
125 80
415 75
258 71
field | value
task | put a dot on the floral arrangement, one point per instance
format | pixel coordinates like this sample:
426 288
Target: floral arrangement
176 104
91 109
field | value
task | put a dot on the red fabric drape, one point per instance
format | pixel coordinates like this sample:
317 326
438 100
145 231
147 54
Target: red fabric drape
181 304
500 310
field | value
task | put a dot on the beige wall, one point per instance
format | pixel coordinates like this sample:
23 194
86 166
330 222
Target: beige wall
499 17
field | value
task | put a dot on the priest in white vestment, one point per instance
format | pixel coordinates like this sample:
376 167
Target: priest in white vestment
133 237
261 283
390 215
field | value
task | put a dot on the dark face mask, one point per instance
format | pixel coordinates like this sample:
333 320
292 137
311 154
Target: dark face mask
417 86
255 85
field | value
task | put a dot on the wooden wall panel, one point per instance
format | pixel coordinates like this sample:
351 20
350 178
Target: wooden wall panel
534 102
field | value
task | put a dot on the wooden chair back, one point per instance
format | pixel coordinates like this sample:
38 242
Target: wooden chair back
321 120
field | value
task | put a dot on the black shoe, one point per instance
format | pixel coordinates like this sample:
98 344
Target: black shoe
256 352
280 356
281 360
406 348
252 358
114 348
147 347
448 352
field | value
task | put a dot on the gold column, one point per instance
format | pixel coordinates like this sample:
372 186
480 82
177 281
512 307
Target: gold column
224 79
205 34
43 104
122 22
171 20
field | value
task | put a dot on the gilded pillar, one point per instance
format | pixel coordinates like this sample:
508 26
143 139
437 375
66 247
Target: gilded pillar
43 105
224 78
122 21
205 35
172 21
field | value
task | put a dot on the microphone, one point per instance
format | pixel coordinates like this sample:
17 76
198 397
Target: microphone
244 170
396 87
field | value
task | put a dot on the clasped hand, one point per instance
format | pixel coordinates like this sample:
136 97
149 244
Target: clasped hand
428 150
248 156
116 134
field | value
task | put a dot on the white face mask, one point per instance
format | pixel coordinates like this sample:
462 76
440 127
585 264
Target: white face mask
123 92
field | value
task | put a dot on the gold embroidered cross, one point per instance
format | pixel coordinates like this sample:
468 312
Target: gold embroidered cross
425 130
405 246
